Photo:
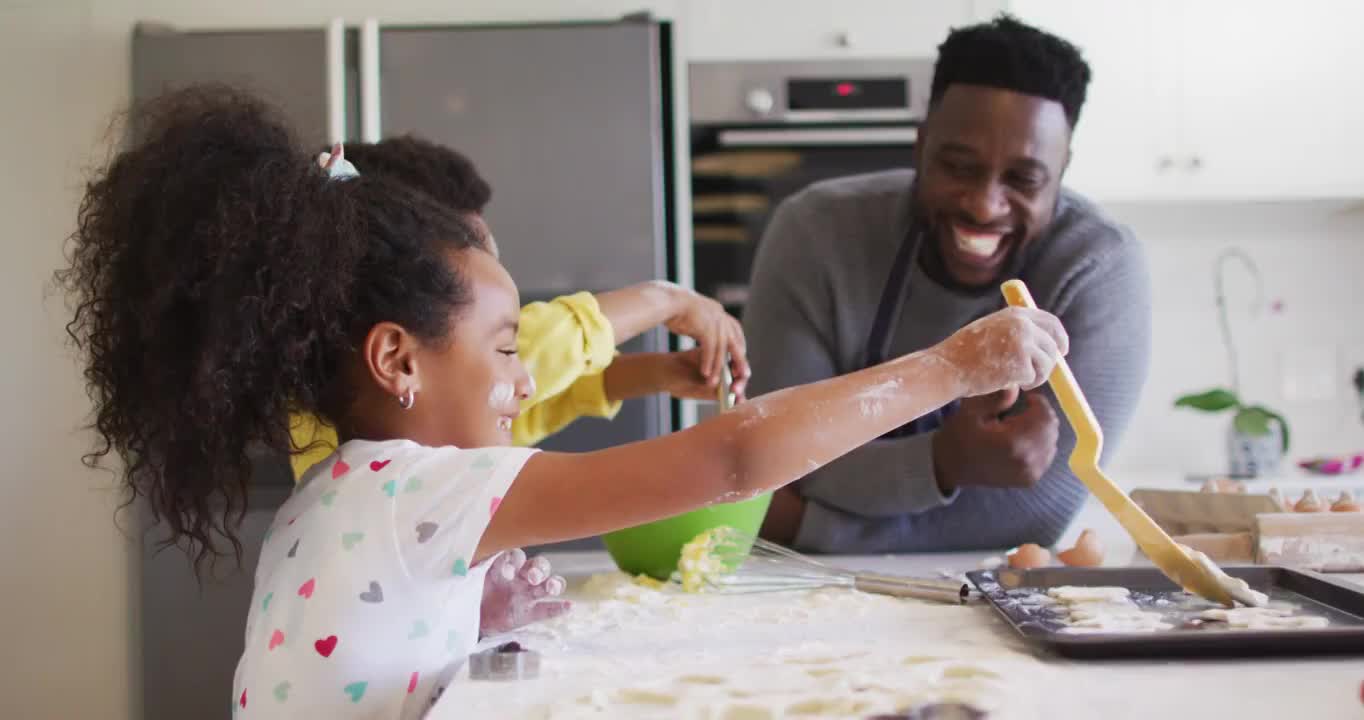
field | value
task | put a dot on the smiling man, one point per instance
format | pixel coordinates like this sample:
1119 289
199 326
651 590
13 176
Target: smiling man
858 269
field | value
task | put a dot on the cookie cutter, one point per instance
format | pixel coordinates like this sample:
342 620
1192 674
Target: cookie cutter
725 393
509 661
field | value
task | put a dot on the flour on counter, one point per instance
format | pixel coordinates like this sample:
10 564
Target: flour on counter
628 650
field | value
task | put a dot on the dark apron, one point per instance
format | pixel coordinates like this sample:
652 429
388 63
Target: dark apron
878 340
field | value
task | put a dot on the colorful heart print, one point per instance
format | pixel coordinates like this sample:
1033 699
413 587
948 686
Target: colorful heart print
378 465
351 539
375 593
306 589
356 690
326 645
390 488
425 530
339 469
282 691
276 639
460 569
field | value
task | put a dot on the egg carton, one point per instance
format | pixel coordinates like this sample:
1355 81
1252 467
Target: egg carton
1239 528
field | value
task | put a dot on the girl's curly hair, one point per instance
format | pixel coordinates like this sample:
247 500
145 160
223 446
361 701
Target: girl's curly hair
221 281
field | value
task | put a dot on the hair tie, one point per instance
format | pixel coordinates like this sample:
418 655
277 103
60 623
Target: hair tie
342 169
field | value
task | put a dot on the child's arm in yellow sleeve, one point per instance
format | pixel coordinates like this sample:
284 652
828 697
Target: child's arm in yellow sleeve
562 340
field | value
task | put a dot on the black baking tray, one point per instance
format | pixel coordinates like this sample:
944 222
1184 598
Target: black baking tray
1010 592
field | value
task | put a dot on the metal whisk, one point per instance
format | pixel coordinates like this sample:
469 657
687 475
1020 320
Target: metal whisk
747 564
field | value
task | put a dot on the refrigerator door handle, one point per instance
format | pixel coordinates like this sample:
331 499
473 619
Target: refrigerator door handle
370 130
336 80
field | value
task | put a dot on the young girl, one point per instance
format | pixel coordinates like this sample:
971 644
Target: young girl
223 280
567 344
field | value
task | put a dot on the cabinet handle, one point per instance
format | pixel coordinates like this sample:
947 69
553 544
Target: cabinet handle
1195 162
1165 163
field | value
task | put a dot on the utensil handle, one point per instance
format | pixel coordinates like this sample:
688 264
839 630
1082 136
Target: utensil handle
1089 435
951 593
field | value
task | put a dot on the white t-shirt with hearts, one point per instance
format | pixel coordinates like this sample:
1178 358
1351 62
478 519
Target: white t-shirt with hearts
366 598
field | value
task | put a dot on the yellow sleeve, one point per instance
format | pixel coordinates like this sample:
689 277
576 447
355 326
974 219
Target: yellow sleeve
317 437
563 343
584 398
562 340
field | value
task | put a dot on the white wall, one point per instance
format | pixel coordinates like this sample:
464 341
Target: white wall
1297 361
67 607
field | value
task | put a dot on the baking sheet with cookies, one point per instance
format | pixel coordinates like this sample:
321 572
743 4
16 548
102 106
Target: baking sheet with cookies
1307 614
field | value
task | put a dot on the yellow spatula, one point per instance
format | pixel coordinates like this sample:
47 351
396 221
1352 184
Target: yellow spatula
1084 462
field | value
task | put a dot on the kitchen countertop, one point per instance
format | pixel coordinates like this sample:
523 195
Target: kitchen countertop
600 650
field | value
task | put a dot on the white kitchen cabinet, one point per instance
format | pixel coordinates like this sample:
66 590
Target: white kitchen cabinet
1209 99
818 29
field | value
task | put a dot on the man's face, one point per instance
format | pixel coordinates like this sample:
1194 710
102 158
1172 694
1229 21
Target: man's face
989 170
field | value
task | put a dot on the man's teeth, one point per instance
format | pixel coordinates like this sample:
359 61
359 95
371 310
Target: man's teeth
504 423
980 245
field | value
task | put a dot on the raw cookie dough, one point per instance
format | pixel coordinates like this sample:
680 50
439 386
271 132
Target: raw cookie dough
1263 618
1238 589
1070 594
1104 610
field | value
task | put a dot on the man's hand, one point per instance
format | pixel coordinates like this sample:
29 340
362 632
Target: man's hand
518 593
976 446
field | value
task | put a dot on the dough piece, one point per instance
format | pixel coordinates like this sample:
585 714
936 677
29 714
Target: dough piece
1237 588
1263 618
1072 594
1029 556
1309 502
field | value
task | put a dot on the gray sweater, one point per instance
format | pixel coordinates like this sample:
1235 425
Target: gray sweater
817 281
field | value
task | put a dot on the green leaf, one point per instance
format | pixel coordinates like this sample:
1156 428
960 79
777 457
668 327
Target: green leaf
1255 420
1215 400
1252 421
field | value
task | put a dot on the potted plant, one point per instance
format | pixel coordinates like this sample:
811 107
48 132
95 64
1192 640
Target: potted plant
1259 437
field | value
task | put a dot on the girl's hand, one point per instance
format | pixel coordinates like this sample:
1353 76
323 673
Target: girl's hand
716 333
1012 348
678 374
517 593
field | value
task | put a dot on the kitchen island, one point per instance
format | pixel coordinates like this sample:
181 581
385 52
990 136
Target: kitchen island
630 652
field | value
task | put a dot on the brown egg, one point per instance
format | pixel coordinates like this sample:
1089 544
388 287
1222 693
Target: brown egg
1309 502
1029 556
1088 551
1345 503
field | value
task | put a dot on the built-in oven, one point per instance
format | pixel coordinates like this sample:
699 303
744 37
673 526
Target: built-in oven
762 131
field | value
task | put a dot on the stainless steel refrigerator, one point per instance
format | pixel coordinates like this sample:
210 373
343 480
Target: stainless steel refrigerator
574 126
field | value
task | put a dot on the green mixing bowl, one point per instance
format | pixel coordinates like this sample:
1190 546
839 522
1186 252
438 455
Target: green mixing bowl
654 548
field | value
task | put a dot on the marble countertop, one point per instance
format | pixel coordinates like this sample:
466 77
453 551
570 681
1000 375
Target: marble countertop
605 651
